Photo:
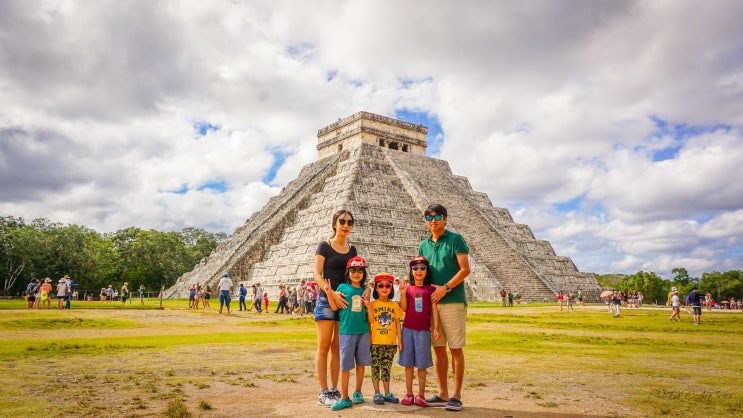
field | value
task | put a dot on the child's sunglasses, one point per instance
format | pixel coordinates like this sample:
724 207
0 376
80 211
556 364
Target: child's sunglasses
416 268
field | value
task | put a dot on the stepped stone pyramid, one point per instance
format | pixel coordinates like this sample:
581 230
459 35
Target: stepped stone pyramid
377 168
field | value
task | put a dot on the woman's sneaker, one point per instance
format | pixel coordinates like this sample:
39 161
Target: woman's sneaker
335 395
407 400
325 398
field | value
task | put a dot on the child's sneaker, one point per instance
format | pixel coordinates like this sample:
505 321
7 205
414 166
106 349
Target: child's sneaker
391 398
378 399
324 398
341 404
358 397
407 400
419 400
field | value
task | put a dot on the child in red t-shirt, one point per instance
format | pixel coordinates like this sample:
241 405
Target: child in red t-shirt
420 314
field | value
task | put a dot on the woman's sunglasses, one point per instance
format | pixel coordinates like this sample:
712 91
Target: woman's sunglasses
343 222
429 218
416 268
352 271
384 286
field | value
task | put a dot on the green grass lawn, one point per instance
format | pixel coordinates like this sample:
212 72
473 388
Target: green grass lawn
641 361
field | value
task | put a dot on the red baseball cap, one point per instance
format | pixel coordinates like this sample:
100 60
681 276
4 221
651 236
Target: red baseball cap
418 259
384 276
356 262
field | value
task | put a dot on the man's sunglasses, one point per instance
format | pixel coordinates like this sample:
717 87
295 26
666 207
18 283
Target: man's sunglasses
429 218
416 268
343 222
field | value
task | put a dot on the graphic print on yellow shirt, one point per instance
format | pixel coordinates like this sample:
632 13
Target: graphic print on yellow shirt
383 331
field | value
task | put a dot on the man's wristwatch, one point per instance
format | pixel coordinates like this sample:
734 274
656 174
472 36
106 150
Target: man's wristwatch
446 286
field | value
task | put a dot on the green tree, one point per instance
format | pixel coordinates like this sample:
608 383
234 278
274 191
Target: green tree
157 259
681 277
100 264
200 242
16 252
722 286
611 281
48 249
653 287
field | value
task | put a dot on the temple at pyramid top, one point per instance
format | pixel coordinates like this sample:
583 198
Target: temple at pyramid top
368 128
377 168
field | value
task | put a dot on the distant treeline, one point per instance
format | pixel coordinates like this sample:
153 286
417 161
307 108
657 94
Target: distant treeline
722 286
154 259
151 258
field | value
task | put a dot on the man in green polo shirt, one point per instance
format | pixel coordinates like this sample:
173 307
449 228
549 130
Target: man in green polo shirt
446 252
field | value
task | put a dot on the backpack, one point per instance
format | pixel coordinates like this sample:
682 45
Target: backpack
31 288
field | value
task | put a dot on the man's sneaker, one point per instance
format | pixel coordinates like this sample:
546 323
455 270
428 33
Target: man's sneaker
391 398
435 401
420 400
378 399
358 397
324 398
341 404
454 404
407 400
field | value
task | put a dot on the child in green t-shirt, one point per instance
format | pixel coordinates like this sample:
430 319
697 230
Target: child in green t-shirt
354 338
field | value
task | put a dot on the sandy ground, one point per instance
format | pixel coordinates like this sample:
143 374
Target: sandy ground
496 399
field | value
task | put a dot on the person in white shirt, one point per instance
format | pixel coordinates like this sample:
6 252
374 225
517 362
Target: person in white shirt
299 291
675 306
225 289
258 297
61 293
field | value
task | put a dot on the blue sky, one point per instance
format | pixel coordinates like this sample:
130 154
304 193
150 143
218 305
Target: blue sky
435 134
612 129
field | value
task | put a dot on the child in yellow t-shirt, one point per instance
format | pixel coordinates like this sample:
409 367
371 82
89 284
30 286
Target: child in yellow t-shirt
384 319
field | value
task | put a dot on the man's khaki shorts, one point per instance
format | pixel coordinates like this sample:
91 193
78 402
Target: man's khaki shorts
452 325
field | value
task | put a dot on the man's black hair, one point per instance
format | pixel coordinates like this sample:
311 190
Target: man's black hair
435 208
